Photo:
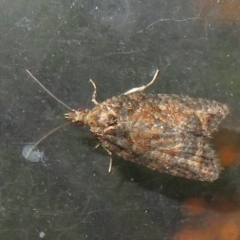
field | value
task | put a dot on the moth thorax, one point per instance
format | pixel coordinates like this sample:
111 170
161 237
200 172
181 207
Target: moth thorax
101 116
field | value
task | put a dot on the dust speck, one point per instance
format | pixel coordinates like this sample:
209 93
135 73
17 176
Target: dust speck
42 234
34 156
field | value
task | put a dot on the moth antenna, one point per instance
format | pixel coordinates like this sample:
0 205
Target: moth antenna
46 90
45 136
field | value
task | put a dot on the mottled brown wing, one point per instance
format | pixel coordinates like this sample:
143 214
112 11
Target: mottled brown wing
195 115
176 153
168 133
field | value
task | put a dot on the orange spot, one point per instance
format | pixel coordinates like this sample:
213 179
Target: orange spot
222 222
193 234
186 234
220 11
228 155
194 206
230 10
230 230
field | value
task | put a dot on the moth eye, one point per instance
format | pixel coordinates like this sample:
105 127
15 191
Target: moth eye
111 119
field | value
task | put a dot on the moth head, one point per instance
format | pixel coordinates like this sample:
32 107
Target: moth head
80 116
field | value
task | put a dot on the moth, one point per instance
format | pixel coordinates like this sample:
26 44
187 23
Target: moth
165 132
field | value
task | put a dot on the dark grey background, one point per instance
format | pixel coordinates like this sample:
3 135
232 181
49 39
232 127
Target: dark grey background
69 194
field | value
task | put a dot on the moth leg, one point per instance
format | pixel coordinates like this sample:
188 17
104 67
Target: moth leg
110 165
110 160
142 88
97 145
94 95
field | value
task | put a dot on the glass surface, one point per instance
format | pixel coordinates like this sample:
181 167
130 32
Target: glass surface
64 190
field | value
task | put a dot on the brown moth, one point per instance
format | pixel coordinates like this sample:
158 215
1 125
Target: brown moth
165 132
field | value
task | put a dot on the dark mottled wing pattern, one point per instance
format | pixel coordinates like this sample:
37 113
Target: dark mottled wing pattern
168 133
